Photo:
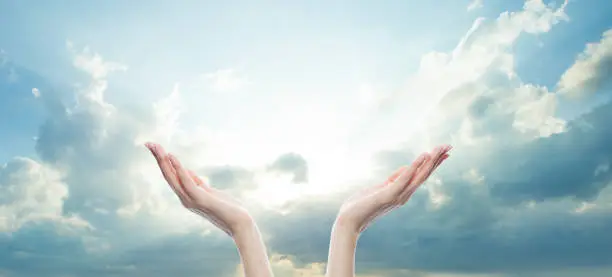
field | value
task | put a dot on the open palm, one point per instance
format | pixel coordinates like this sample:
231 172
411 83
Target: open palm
364 207
198 196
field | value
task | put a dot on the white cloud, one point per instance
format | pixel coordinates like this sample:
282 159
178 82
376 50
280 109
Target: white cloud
112 181
502 129
536 113
225 80
35 92
475 4
32 192
111 178
283 266
477 82
589 72
471 89
94 64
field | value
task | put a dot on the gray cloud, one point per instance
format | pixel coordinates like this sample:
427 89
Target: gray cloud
490 226
185 255
93 145
292 163
229 177
97 152
564 165
39 250
518 219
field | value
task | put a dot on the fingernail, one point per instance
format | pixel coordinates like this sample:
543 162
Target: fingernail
150 148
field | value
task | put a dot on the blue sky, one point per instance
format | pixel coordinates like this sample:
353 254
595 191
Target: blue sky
290 106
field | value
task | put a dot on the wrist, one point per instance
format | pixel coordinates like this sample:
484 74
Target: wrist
246 228
342 246
252 251
345 230
346 227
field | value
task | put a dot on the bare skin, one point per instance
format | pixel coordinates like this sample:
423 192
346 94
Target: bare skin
218 208
361 209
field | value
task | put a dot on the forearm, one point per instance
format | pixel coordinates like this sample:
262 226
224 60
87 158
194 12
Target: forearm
253 252
342 246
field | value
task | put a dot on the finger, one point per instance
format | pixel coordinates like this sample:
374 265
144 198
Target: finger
404 179
412 184
409 192
427 168
443 156
166 168
390 179
442 159
395 175
418 181
203 183
186 182
195 178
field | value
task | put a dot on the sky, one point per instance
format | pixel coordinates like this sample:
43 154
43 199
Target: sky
291 106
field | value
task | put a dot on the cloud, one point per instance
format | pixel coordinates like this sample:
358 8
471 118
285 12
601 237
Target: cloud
241 179
110 182
102 183
475 4
473 91
225 80
591 70
481 95
187 255
293 164
95 144
283 266
93 63
112 179
7 69
525 192
561 176
32 192
41 250
230 177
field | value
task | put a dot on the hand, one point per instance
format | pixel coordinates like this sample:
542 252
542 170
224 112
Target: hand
199 197
364 207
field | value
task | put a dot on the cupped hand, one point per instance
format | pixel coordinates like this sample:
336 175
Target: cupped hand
199 197
364 207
